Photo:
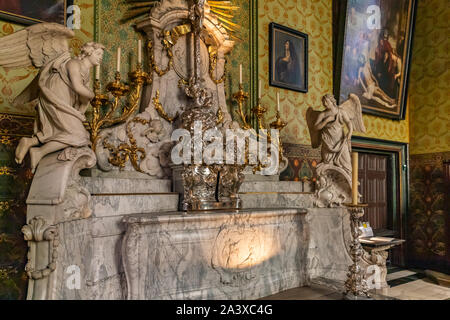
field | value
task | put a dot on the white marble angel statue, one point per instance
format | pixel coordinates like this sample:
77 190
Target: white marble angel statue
326 129
60 90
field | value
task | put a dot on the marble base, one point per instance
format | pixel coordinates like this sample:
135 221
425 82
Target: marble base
328 251
220 255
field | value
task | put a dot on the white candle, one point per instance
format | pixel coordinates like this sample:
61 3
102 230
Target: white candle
97 72
118 58
354 177
259 91
240 74
278 101
139 51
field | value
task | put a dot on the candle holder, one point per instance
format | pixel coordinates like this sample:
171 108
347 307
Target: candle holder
118 90
356 286
259 112
279 125
240 97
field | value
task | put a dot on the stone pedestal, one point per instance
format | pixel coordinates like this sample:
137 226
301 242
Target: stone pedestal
221 255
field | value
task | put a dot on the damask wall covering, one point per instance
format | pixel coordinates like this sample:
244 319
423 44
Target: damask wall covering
430 79
429 102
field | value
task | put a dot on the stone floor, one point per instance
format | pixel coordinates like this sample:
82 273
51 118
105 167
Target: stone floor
413 285
404 285
313 292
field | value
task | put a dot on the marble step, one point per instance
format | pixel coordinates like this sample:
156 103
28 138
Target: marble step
271 186
276 200
104 205
104 185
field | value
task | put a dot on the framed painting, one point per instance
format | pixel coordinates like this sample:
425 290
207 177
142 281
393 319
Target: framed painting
288 58
373 54
32 11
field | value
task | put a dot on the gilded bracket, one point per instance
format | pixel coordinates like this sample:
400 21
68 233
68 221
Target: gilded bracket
160 109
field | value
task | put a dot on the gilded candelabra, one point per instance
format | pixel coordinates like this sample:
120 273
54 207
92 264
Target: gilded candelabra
118 90
258 112
240 97
356 287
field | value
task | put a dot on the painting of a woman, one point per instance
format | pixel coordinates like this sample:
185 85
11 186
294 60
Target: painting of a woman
288 58
287 66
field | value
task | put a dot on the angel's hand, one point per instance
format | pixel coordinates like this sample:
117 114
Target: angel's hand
83 108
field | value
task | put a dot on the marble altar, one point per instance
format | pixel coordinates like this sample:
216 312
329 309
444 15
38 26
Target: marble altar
106 233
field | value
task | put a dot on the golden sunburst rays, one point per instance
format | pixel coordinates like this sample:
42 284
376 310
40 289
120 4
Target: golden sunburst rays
223 10
137 9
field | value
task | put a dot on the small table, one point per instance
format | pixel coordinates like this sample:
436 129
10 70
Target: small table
376 253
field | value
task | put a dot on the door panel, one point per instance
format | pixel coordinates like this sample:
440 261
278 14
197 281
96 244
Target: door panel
373 181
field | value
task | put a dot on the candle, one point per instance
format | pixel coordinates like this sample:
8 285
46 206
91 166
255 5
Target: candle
139 51
97 72
118 59
259 91
240 74
278 101
354 177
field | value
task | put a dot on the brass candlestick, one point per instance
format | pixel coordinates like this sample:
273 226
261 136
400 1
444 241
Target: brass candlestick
279 125
240 97
356 286
118 90
259 112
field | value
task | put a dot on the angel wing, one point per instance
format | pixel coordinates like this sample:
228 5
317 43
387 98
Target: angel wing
33 46
311 118
352 107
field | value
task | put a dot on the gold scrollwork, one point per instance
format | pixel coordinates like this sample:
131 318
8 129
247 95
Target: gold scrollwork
219 116
151 55
160 109
169 39
212 51
118 90
120 155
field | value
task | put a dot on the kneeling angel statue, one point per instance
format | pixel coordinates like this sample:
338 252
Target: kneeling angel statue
60 90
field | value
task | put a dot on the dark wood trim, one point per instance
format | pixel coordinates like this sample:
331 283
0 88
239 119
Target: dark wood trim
399 177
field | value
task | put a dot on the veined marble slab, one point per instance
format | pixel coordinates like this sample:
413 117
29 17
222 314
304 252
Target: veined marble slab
113 205
271 186
101 185
276 200
218 255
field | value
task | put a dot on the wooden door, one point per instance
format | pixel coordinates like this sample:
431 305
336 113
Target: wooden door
373 179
